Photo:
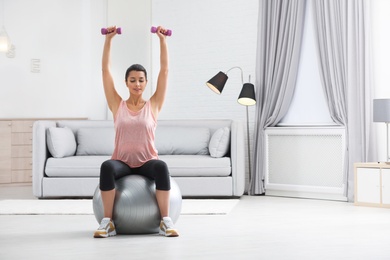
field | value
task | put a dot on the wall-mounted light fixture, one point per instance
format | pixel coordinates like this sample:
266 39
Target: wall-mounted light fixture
5 42
246 97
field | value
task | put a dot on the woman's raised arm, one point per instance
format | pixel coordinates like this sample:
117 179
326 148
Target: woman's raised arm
158 98
112 96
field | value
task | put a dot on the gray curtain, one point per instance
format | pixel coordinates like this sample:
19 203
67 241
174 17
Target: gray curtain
278 53
343 51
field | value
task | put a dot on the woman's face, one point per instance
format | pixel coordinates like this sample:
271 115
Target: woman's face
136 82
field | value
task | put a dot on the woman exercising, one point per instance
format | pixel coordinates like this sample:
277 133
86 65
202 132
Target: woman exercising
135 121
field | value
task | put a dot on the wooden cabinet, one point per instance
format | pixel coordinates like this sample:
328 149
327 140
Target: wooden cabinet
372 184
5 151
16 151
21 150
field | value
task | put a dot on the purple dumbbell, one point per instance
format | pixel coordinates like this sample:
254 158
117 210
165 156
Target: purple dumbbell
104 31
154 30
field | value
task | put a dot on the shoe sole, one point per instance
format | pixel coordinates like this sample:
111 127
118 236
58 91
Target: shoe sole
170 234
100 235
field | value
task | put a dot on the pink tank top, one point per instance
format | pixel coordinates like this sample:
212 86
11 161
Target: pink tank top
134 135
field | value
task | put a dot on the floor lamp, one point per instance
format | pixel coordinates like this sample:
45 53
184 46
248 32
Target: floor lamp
246 98
382 114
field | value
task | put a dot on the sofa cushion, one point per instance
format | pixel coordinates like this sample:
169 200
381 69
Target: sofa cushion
219 142
95 141
179 166
197 165
61 141
75 166
182 140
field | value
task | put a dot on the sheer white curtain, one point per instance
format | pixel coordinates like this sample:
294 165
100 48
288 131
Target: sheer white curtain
343 49
278 53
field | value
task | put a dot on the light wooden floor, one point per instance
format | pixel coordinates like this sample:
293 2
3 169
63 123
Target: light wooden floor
260 227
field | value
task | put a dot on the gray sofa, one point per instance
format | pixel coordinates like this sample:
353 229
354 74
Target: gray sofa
205 157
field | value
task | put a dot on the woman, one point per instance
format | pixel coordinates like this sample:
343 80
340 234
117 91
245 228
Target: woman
135 121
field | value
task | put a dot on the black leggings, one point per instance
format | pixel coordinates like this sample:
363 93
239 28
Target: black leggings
112 170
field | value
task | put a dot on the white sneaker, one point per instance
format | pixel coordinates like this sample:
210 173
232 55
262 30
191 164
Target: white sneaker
106 229
167 229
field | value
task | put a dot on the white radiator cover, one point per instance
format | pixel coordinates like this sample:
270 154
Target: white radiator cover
305 162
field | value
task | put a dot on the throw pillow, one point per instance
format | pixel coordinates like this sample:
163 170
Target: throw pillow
182 140
219 143
61 142
95 141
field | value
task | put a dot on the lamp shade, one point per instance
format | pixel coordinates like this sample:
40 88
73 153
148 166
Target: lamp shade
247 95
381 109
217 83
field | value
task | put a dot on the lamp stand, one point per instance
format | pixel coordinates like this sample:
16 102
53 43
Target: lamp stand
246 98
387 143
249 152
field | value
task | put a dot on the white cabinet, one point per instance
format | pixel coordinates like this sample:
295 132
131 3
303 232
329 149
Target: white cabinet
372 184
385 186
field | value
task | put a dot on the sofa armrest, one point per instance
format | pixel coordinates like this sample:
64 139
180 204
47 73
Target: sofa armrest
237 151
39 155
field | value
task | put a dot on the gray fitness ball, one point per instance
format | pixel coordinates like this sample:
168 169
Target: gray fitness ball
135 208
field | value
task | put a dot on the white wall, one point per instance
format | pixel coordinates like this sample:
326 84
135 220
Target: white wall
45 30
65 36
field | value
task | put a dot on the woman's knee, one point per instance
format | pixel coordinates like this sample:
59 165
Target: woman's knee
106 168
162 176
161 166
107 180
111 170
